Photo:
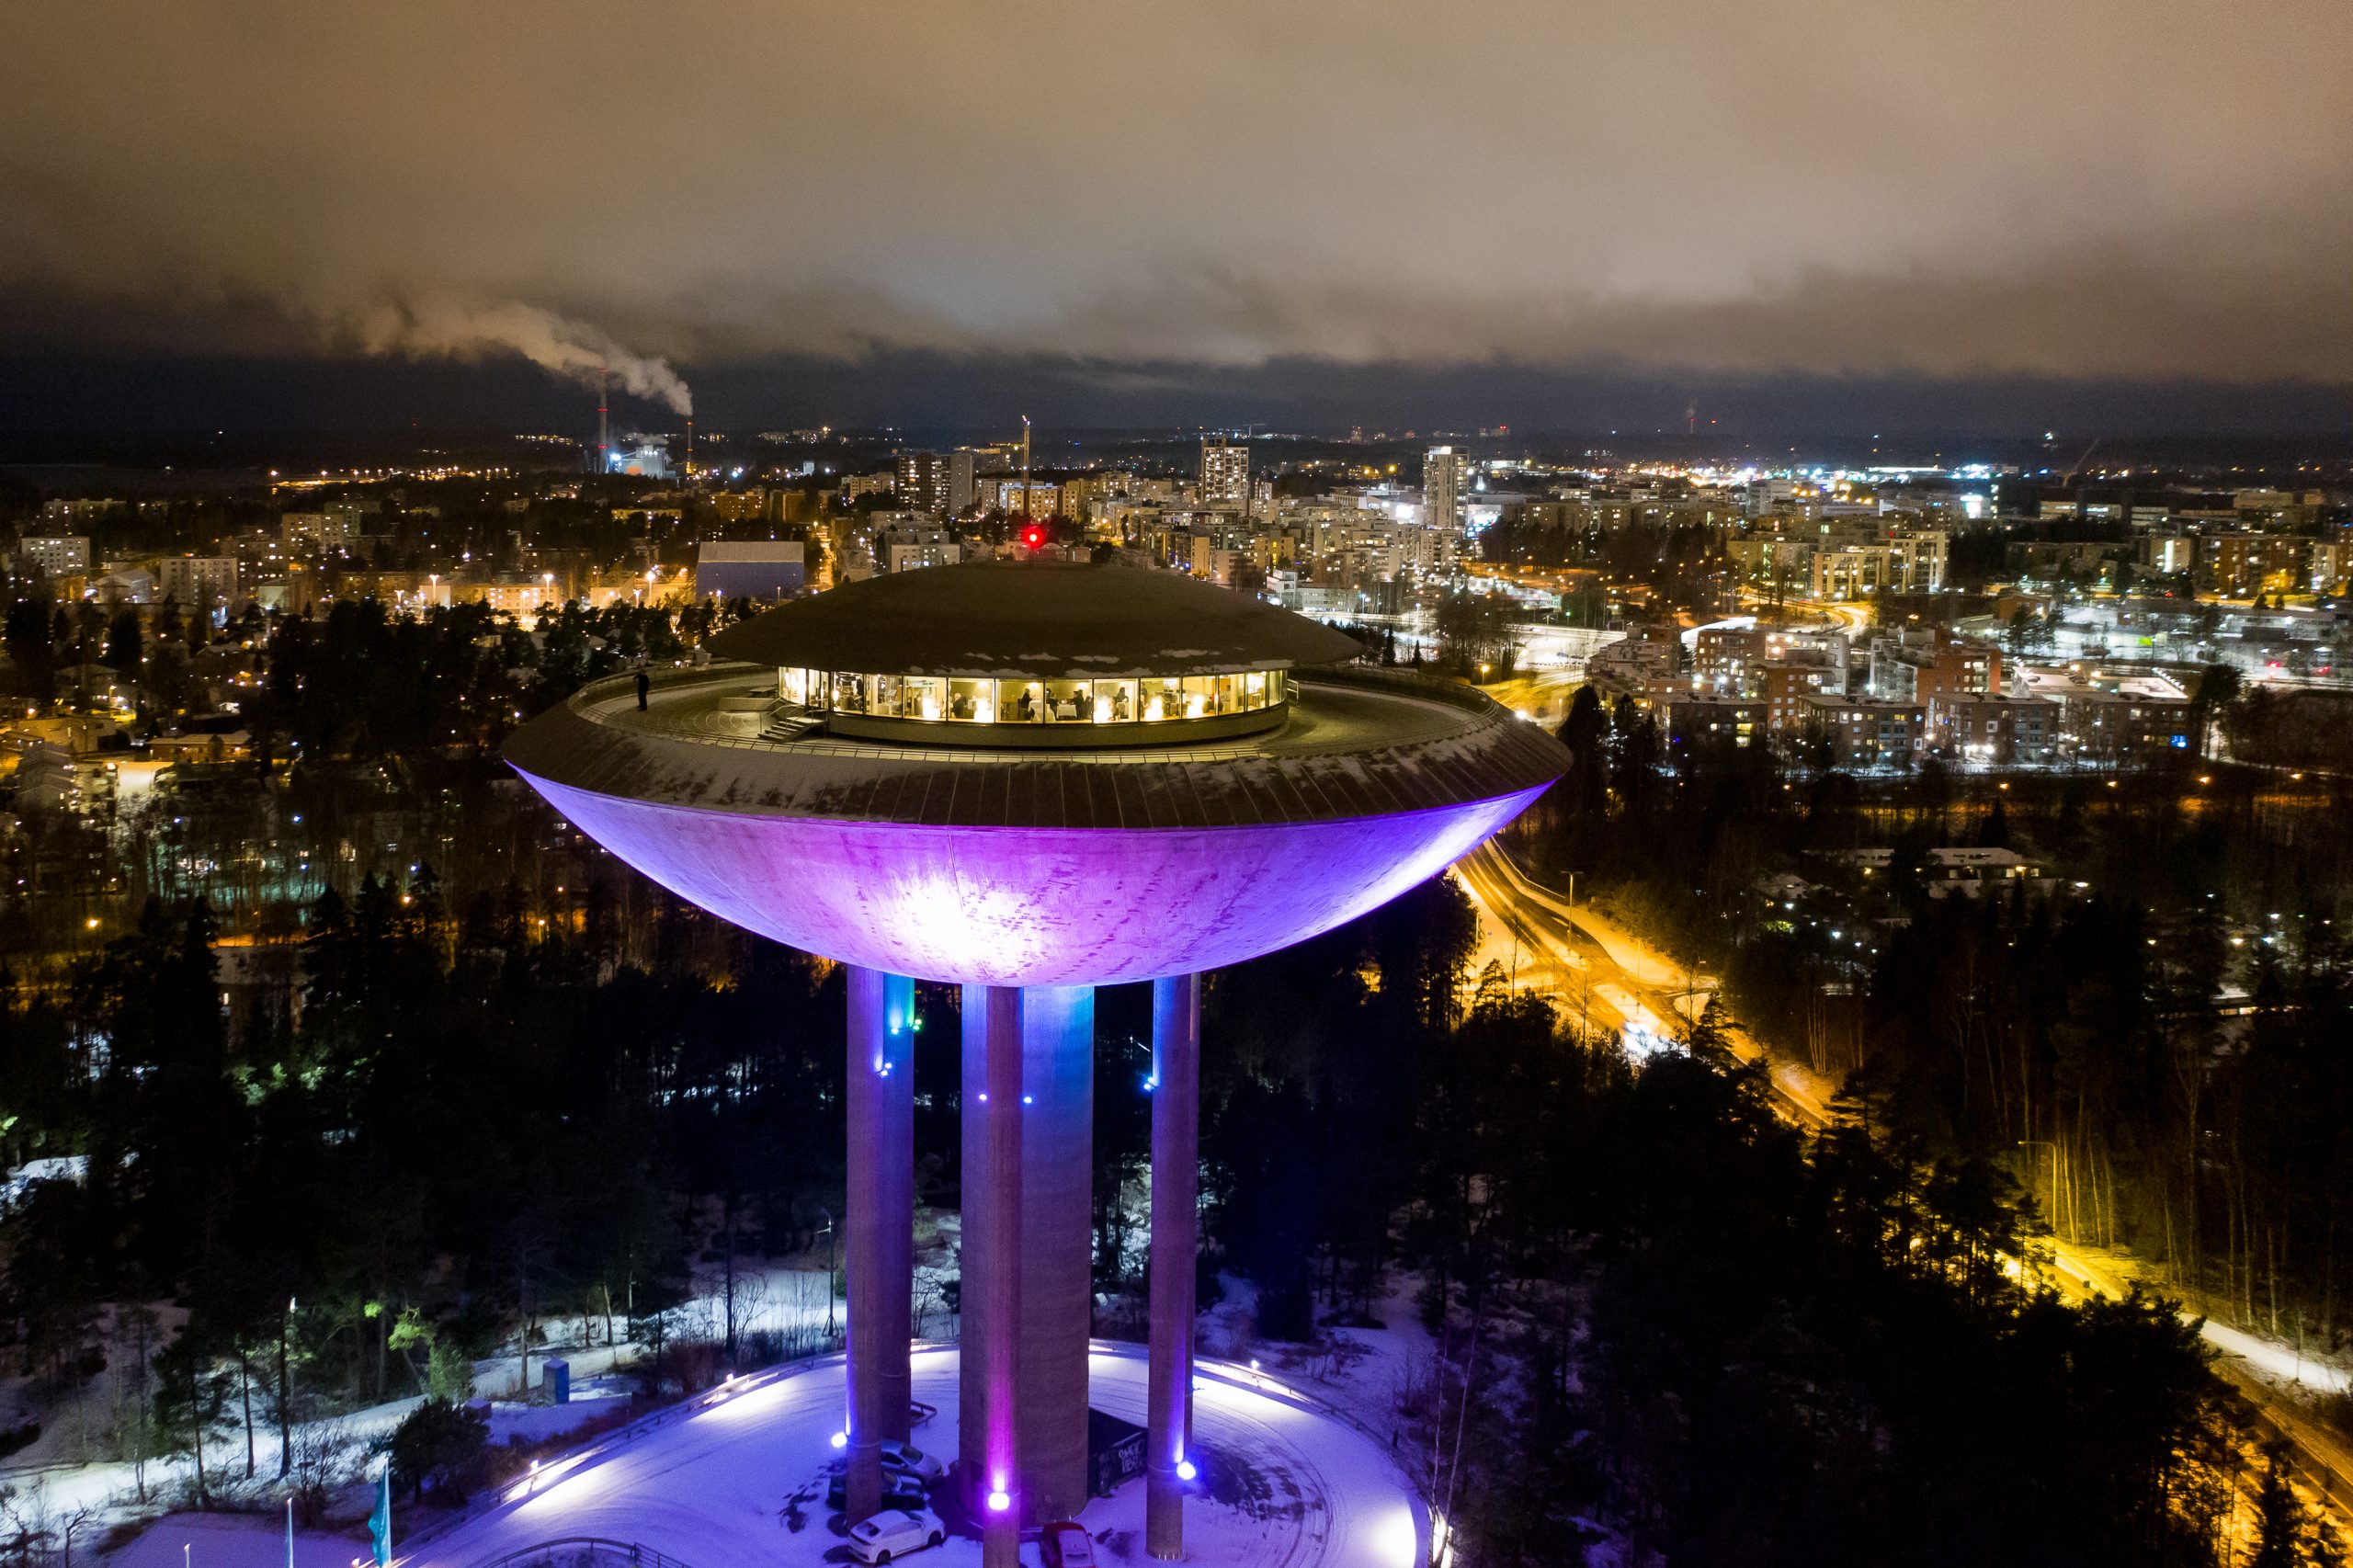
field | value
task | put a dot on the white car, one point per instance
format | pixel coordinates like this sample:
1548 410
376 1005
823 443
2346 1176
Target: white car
908 1460
894 1533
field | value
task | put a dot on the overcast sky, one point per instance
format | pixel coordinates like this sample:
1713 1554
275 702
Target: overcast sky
1937 188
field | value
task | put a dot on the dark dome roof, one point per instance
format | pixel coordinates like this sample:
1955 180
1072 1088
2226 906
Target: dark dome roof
1033 620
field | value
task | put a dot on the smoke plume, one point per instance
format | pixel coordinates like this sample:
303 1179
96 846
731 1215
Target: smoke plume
574 350
1827 195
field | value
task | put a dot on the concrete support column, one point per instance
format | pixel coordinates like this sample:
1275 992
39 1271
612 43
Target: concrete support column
1000 1285
1176 1243
878 1223
1057 1246
972 1313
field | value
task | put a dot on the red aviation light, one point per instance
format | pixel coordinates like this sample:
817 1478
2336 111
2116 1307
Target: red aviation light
1034 536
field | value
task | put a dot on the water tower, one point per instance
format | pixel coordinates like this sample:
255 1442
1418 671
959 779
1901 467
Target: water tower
1030 778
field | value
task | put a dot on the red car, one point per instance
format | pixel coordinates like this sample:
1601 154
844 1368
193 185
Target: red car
1064 1545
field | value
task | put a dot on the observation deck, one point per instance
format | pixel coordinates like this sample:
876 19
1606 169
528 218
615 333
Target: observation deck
987 853
1344 743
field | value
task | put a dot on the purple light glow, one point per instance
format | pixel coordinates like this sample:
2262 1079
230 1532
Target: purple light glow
1031 906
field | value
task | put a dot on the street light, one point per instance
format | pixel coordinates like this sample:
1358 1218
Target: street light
829 1271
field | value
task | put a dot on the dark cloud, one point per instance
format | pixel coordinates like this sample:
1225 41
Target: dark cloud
1948 189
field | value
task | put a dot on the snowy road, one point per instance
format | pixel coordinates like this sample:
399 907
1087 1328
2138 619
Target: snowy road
1288 1487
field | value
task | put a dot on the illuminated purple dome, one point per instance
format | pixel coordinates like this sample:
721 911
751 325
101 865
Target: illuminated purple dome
1036 775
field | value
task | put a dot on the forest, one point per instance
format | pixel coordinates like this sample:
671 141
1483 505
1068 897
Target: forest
1672 1322
2147 1037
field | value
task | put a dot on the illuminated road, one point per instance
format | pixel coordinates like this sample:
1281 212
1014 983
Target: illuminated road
1852 619
1574 943
741 1479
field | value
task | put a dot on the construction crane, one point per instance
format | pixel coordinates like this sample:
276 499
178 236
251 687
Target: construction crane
2069 477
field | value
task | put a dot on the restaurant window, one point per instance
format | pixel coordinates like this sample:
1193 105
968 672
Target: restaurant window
923 697
1114 702
973 702
1161 697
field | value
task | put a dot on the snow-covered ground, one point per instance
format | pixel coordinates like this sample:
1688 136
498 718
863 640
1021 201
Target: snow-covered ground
236 1541
771 1299
1369 1374
741 1480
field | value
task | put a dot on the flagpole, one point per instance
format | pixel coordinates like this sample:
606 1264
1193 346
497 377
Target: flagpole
380 1523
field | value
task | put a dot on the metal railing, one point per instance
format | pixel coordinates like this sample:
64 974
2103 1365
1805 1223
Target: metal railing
582 1552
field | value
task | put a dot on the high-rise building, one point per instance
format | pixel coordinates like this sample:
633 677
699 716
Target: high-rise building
924 482
1225 474
963 486
1444 471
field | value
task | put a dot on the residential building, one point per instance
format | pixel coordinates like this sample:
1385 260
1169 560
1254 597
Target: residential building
1919 559
1850 572
1917 665
1771 558
910 546
1784 687
1037 498
2108 717
1966 870
963 484
1699 721
2236 565
1444 472
1225 474
197 584
1864 732
55 555
1992 728
2332 566
923 484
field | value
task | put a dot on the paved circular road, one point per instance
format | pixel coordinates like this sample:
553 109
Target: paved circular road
741 1480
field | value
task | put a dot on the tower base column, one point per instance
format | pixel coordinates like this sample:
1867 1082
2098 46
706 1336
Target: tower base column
1000 1287
1057 1245
879 1224
1175 1246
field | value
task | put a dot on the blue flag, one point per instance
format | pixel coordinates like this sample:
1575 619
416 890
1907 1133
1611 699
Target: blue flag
380 1523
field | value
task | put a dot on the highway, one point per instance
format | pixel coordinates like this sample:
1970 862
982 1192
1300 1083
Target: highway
1579 954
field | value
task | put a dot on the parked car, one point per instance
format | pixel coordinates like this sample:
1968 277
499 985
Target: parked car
894 1533
1065 1544
900 1490
908 1460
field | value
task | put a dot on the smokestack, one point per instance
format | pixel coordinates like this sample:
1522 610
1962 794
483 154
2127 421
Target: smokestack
604 427
690 446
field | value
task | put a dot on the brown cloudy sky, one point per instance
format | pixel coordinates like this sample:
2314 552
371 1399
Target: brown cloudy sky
1941 188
